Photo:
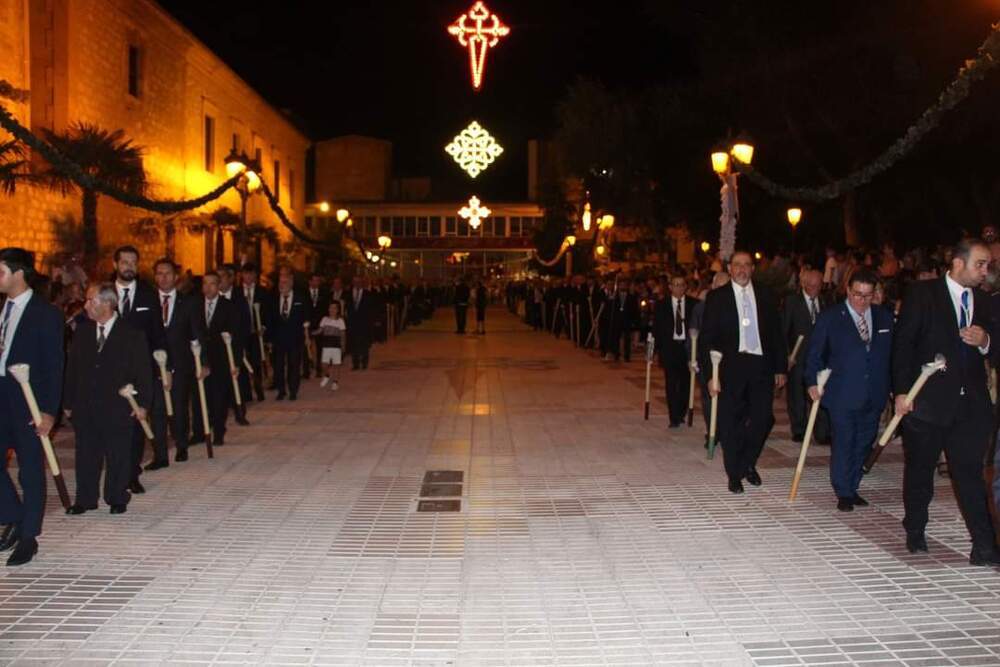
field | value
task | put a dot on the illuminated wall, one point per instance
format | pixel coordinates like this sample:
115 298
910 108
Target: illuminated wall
127 64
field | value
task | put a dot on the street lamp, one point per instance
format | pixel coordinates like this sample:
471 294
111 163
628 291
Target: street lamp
324 207
722 165
238 164
794 216
586 218
384 242
705 246
342 214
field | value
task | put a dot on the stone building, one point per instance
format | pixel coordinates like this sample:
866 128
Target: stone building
127 64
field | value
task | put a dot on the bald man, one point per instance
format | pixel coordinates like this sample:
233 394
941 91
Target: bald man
801 310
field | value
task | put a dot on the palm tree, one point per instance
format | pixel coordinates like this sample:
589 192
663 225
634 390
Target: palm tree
108 157
13 167
219 221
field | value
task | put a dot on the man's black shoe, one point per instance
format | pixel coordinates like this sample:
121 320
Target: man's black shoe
9 537
77 509
859 501
916 543
798 438
182 455
988 556
135 486
293 397
218 441
845 505
280 397
242 420
24 552
735 486
753 477
119 509
260 396
156 465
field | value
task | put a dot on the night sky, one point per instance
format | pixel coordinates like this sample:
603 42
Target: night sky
390 69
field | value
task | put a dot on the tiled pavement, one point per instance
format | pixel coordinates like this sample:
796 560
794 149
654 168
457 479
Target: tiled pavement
586 536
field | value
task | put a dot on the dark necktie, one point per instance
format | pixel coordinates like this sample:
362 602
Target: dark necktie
963 317
100 337
166 310
863 330
126 302
812 310
5 324
678 322
284 306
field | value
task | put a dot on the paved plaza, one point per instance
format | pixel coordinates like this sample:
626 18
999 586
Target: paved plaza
584 536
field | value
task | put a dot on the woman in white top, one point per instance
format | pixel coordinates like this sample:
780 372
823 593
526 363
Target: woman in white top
331 334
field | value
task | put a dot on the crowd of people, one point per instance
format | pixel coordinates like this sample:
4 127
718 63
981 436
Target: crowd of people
127 362
774 323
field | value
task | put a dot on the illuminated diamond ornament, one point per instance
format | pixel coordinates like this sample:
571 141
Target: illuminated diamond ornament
474 149
474 212
478 30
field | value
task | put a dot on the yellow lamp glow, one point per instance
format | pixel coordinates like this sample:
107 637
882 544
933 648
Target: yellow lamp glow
743 153
392 263
601 250
474 212
235 166
607 221
705 246
720 162
474 149
384 242
586 217
794 216
342 214
368 254
757 255
570 240
349 223
374 258
253 181
324 207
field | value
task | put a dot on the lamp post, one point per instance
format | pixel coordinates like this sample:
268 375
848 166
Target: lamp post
722 165
570 241
248 184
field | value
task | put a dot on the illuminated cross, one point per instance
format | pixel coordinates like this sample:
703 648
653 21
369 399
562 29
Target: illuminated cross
474 213
474 149
478 30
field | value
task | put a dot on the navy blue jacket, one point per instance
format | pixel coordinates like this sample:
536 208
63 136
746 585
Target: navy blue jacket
37 342
860 375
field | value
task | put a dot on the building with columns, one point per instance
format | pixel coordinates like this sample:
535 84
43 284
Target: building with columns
127 64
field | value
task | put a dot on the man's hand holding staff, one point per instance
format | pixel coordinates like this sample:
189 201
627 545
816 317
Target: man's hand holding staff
650 342
43 424
128 392
904 405
714 389
196 351
233 370
161 360
693 369
815 393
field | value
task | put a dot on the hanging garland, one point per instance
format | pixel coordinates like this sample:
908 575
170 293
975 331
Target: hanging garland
555 260
8 91
988 57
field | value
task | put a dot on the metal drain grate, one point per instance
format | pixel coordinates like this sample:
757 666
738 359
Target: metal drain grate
439 506
444 477
440 490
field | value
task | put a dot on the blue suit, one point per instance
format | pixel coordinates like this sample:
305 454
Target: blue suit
38 342
857 390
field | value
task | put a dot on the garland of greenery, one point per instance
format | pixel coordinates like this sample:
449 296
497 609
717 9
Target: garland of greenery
8 91
296 232
988 57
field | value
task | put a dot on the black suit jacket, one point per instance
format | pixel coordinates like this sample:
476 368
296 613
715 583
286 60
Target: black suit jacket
288 332
319 308
38 342
93 379
928 326
184 327
224 318
663 325
796 322
146 315
720 330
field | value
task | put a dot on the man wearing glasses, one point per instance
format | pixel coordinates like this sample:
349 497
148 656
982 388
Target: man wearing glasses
854 340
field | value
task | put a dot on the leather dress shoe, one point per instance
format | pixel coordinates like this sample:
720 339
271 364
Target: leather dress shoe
24 552
181 456
859 501
157 465
135 486
260 397
10 536
753 477
916 543
735 486
119 509
280 397
988 556
242 420
219 441
845 505
77 509
293 397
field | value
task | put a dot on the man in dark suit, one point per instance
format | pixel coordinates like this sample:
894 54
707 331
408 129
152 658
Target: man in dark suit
229 291
254 298
703 375
181 324
853 340
799 318
948 316
215 315
670 331
139 307
319 305
107 354
31 332
339 293
360 318
287 335
623 313
741 321
462 297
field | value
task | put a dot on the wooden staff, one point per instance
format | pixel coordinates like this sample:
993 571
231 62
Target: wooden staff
128 392
926 371
716 360
22 373
228 340
161 360
260 339
649 369
196 351
594 333
246 364
693 381
821 379
795 351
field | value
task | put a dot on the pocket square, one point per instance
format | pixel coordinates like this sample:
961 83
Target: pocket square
883 331
141 308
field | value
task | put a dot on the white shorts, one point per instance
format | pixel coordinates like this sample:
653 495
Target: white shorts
331 355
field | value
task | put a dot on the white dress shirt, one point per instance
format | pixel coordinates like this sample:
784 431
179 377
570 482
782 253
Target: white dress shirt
855 315
745 317
675 303
955 290
171 297
121 295
227 295
20 303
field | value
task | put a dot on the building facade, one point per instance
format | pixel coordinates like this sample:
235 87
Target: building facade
127 64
